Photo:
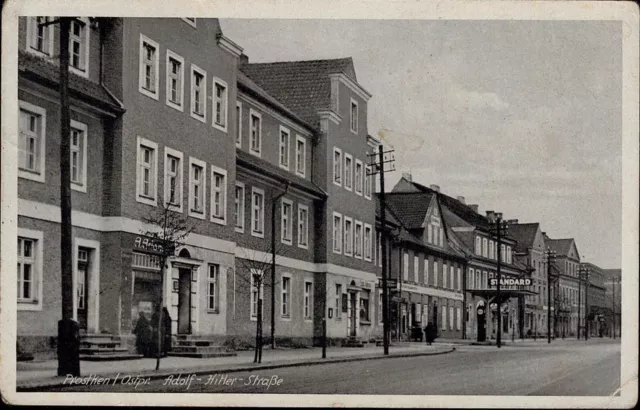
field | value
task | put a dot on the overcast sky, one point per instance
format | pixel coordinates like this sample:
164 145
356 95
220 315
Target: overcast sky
522 117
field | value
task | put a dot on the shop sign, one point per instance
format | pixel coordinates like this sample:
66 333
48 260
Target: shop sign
391 283
510 282
147 244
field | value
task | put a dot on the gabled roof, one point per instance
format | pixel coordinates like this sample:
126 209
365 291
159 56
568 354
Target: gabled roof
560 246
43 71
524 234
389 215
411 208
303 86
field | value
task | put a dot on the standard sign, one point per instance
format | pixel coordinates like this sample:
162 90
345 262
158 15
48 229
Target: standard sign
510 282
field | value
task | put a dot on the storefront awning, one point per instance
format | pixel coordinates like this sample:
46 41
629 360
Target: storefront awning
505 294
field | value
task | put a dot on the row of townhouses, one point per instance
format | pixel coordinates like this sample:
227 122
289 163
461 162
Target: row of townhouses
248 153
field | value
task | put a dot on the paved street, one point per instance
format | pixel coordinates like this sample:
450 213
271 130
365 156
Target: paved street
563 368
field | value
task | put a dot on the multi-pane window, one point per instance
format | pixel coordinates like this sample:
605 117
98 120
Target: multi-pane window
256 292
197 188
31 136
26 269
175 80
450 317
198 93
354 116
40 35
364 306
256 132
239 124
303 226
77 45
430 233
308 295
478 248
284 147
368 239
81 278
286 221
367 181
348 236
257 212
426 270
348 172
358 176
337 166
444 275
301 156
212 287
444 318
173 179
149 58
147 167
452 277
220 103
239 207
478 280
416 266
358 240
502 254
471 279
218 195
338 300
485 248
380 307
459 279
337 233
435 273
508 254
286 289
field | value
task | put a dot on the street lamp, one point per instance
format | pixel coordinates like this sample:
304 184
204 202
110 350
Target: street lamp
500 228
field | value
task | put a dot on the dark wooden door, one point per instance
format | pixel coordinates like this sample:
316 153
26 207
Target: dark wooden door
184 302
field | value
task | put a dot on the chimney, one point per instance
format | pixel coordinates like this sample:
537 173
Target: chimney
244 59
474 207
512 221
435 187
407 176
490 214
460 199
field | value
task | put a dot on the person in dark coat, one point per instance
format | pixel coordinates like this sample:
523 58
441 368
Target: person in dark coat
154 332
143 335
166 331
430 333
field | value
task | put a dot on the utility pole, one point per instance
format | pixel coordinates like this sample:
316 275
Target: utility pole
550 254
273 262
613 306
500 226
378 168
584 273
579 302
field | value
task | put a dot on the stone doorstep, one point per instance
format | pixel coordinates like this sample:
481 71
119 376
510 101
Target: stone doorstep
103 357
36 385
99 350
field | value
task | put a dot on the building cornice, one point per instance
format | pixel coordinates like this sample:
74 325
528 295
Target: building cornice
331 115
352 85
229 46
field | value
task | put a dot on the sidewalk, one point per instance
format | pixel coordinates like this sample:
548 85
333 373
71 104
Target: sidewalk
38 375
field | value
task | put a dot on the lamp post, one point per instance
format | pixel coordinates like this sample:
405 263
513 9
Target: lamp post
500 227
584 275
550 254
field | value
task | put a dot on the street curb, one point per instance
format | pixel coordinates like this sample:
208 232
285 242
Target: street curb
58 382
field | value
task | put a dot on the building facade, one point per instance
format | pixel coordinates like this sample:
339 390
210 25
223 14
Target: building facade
567 297
595 301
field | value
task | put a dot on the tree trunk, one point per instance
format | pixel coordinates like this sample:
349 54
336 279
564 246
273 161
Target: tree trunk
257 358
160 313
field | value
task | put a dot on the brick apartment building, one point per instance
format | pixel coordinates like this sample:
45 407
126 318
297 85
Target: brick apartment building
567 267
470 233
156 122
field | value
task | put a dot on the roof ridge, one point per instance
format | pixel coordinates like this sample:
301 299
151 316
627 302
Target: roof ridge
302 61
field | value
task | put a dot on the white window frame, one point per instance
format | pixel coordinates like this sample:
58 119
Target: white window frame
485 248
141 74
368 237
180 104
445 267
288 224
285 315
416 267
259 294
180 178
491 249
252 114
443 325
450 317
303 155
452 277
38 237
426 270
508 254
31 27
478 247
241 202
350 168
354 130
194 161
84 45
305 233
307 303
340 228
80 186
429 233
348 251
38 176
254 232
338 296
357 247
367 181
340 173
238 124
224 104
152 200
189 22
459 278
405 266
435 272
221 220
287 152
358 181
195 69
216 284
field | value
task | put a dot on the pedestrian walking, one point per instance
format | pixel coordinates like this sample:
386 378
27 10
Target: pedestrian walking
166 330
430 333
143 335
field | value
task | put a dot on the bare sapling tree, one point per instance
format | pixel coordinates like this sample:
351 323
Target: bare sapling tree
168 229
253 267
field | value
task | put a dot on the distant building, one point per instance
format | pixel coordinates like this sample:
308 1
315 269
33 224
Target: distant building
613 296
567 266
596 301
